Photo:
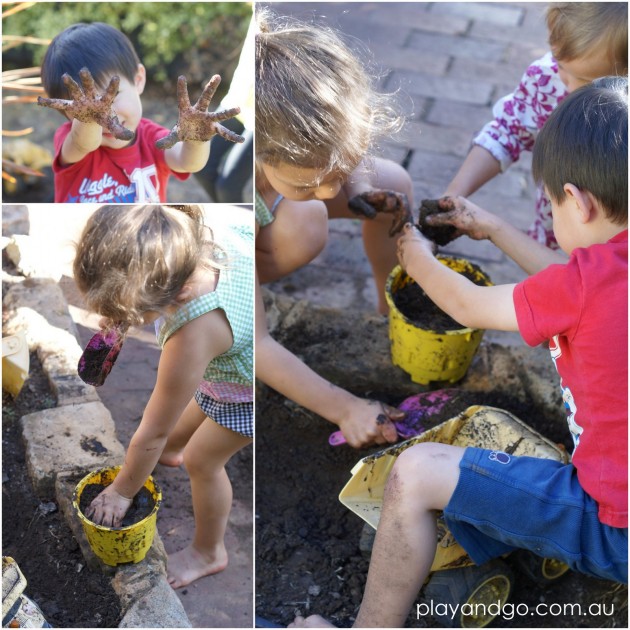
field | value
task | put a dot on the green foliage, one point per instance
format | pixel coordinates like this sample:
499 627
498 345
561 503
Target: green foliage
161 31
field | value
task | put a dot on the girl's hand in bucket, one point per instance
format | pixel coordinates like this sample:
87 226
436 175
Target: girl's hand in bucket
370 422
411 244
109 508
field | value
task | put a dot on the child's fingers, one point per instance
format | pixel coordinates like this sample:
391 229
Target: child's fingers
54 103
112 90
119 132
168 141
72 86
87 81
207 94
230 136
224 114
360 206
182 93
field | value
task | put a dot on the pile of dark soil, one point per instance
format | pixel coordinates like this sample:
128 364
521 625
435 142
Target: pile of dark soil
411 300
307 542
36 535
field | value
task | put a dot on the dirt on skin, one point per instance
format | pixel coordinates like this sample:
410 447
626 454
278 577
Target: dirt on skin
141 506
36 535
307 542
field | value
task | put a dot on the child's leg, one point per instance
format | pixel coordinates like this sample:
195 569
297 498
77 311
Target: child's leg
205 457
295 237
188 423
380 248
422 481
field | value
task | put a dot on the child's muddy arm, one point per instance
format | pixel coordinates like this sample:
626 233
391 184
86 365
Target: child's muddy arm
362 421
477 223
479 167
90 113
187 146
471 305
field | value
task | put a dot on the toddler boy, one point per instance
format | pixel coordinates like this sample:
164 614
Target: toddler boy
577 512
107 152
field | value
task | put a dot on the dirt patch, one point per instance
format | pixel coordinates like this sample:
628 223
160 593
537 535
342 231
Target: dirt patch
307 543
36 535
141 506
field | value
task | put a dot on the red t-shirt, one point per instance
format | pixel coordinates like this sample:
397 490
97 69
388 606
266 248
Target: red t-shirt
136 173
582 309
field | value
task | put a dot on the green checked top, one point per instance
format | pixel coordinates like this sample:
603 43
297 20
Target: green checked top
229 376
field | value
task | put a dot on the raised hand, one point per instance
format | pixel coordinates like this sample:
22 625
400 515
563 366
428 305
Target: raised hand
369 204
87 106
195 122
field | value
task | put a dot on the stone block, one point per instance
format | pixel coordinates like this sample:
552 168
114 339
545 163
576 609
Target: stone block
467 47
76 438
459 90
14 219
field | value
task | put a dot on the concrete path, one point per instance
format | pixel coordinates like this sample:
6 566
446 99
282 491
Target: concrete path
449 62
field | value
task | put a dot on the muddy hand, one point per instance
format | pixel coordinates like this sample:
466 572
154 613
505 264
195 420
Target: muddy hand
369 204
109 508
87 106
457 214
195 122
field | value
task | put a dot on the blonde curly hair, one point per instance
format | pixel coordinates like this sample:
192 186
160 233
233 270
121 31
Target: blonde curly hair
130 260
316 105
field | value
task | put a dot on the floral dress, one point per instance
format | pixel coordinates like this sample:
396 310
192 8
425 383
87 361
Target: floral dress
518 119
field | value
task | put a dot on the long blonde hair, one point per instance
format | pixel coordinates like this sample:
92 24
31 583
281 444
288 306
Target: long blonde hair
316 105
130 260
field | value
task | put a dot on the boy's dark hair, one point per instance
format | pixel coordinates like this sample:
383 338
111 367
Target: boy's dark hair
100 48
585 143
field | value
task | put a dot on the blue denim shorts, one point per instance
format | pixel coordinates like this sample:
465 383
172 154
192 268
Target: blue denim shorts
502 502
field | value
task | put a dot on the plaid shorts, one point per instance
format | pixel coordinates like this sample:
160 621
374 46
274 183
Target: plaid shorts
238 417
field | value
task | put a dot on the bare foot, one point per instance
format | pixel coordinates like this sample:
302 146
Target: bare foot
172 458
188 565
314 621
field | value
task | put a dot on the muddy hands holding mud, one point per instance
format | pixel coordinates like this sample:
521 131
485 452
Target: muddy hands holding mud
374 202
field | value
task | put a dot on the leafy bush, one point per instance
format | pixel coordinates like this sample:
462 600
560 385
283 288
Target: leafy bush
163 33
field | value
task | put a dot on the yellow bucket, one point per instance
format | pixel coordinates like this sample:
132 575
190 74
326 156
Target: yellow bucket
118 545
429 356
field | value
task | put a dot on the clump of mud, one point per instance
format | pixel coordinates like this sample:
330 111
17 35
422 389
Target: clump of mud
439 234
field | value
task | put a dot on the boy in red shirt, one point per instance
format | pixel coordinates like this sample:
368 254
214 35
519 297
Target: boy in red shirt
492 504
107 152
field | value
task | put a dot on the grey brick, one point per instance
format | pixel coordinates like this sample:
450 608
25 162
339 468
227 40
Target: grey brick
394 57
498 14
460 90
434 139
459 115
457 46
465 68
416 15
